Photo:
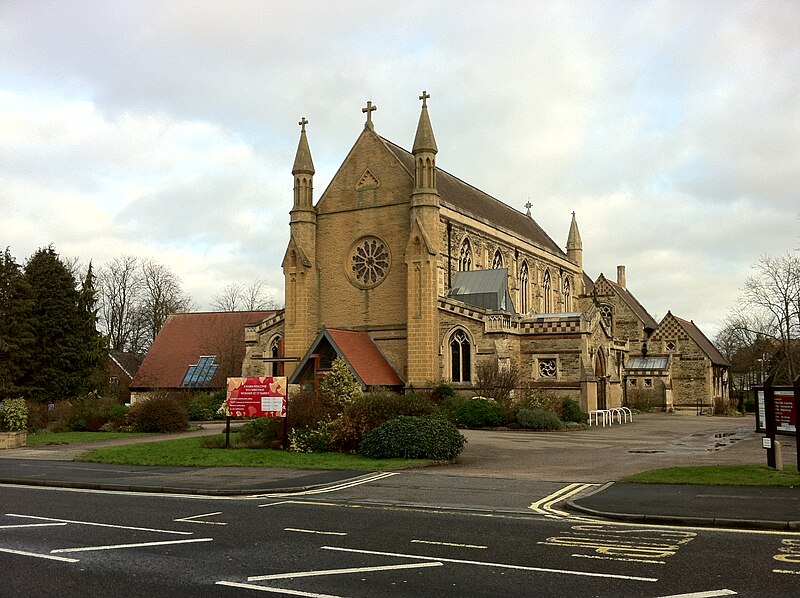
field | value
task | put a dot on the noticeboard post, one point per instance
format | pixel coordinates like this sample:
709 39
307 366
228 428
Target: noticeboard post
255 397
776 413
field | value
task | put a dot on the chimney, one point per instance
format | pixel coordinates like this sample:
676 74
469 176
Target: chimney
621 277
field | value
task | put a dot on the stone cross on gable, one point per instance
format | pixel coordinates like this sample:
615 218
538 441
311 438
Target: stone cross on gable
303 122
425 95
369 110
528 205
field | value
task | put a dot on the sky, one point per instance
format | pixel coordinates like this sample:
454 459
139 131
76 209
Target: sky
167 129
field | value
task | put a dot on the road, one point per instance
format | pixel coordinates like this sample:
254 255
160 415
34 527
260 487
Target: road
405 534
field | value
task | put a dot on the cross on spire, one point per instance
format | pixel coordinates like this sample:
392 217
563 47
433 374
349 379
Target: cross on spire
368 111
303 122
425 95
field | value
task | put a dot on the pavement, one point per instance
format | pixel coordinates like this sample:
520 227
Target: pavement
598 455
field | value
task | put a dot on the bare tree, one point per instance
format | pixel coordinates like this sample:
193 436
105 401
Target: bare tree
162 296
236 297
120 287
772 297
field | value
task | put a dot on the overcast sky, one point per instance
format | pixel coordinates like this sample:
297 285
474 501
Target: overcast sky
167 129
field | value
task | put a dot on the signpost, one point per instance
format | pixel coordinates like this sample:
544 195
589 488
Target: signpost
255 397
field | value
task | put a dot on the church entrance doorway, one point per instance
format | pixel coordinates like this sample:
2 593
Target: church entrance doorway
600 372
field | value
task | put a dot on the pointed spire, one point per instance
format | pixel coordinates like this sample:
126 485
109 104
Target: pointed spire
302 160
574 238
424 140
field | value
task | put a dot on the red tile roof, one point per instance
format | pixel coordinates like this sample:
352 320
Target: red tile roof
184 338
361 353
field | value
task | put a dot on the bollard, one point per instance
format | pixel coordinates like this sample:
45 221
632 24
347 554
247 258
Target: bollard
778 456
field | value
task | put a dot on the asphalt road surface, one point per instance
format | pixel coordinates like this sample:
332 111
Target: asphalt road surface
401 535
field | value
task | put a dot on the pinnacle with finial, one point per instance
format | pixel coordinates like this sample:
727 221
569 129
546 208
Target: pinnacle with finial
528 205
424 140
302 159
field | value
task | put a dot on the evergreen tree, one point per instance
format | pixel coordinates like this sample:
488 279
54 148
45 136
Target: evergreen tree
57 364
92 343
16 331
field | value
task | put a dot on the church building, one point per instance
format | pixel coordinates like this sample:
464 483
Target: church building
412 276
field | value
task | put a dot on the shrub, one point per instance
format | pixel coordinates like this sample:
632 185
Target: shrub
498 382
539 419
205 406
478 412
262 432
37 416
13 415
160 413
450 406
370 410
306 410
571 411
409 437
442 391
311 440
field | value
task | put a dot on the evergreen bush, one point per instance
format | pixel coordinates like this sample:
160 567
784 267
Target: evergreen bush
339 389
478 412
539 419
13 415
370 410
571 411
410 437
205 406
160 413
262 432
442 391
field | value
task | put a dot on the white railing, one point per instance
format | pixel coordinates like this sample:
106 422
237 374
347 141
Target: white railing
622 414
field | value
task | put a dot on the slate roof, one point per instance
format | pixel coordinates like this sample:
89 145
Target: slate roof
466 199
648 320
359 352
127 362
184 338
702 341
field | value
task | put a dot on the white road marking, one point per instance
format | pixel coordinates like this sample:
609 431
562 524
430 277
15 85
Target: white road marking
786 571
138 529
139 545
280 502
31 525
340 486
194 517
342 571
489 564
616 558
39 556
448 544
249 586
711 594
312 531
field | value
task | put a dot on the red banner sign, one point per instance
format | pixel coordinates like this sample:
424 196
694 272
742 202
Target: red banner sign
256 397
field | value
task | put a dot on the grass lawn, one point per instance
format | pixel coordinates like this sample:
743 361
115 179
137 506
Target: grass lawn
189 452
720 475
67 437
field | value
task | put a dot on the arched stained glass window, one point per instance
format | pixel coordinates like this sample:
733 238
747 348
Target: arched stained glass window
460 357
523 288
567 291
497 260
547 293
465 257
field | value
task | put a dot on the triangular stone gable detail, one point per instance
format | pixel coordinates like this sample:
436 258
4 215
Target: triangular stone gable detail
669 328
418 230
302 259
368 181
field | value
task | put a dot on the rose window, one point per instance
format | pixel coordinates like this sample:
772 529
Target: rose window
369 261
